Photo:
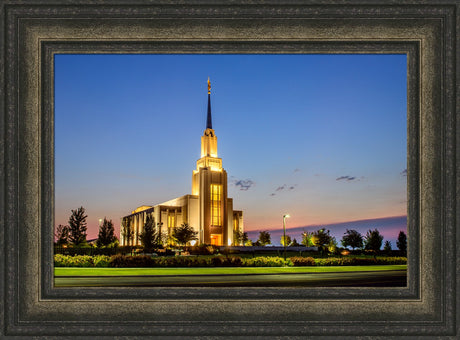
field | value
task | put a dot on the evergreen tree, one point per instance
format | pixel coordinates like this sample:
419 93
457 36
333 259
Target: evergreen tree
387 246
352 239
294 243
150 237
62 234
106 234
77 226
401 243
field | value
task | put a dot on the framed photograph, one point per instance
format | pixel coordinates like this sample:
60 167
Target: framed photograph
37 35
271 134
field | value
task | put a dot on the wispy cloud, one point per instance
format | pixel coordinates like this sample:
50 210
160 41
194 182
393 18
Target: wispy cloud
404 173
283 188
243 184
346 178
296 170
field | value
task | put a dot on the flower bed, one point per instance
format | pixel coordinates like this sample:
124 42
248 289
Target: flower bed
123 261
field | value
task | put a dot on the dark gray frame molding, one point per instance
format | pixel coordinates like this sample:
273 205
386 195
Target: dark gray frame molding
426 31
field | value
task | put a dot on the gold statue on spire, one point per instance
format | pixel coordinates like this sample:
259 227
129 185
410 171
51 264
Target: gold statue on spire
209 86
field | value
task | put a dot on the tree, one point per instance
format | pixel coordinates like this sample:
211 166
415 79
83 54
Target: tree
245 239
294 243
401 243
184 234
264 238
248 242
321 238
127 231
106 234
163 235
77 226
150 237
62 234
332 245
239 237
306 239
352 239
387 246
373 240
285 241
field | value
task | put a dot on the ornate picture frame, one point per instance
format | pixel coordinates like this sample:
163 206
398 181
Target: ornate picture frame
34 32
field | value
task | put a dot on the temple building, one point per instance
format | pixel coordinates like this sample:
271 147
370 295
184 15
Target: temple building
208 209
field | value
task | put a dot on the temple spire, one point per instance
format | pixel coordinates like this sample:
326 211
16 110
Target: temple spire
209 119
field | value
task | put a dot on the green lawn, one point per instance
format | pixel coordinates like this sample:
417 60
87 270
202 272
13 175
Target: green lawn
72 271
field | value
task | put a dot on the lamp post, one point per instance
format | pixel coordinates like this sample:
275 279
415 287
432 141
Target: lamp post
284 234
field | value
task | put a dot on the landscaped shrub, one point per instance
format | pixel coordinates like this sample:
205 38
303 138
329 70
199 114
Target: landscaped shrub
81 261
101 261
392 260
302 261
354 261
203 249
265 262
235 261
221 261
122 261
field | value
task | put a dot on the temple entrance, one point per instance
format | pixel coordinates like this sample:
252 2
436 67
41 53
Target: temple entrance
216 239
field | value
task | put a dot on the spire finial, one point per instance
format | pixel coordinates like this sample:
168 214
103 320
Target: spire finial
209 119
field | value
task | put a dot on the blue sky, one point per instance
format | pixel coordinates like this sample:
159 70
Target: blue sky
322 137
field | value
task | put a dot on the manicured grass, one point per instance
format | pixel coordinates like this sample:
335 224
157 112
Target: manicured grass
65 271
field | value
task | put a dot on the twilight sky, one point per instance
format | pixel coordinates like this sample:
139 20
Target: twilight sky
322 137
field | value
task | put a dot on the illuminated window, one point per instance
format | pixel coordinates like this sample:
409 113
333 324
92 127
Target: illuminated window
171 222
235 223
216 201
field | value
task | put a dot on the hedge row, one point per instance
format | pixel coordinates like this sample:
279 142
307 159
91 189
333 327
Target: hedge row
81 261
347 261
122 261
265 261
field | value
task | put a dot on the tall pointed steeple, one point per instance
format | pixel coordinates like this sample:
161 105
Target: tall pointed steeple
209 139
209 119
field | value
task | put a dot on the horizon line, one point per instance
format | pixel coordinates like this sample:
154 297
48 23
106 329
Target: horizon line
317 225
